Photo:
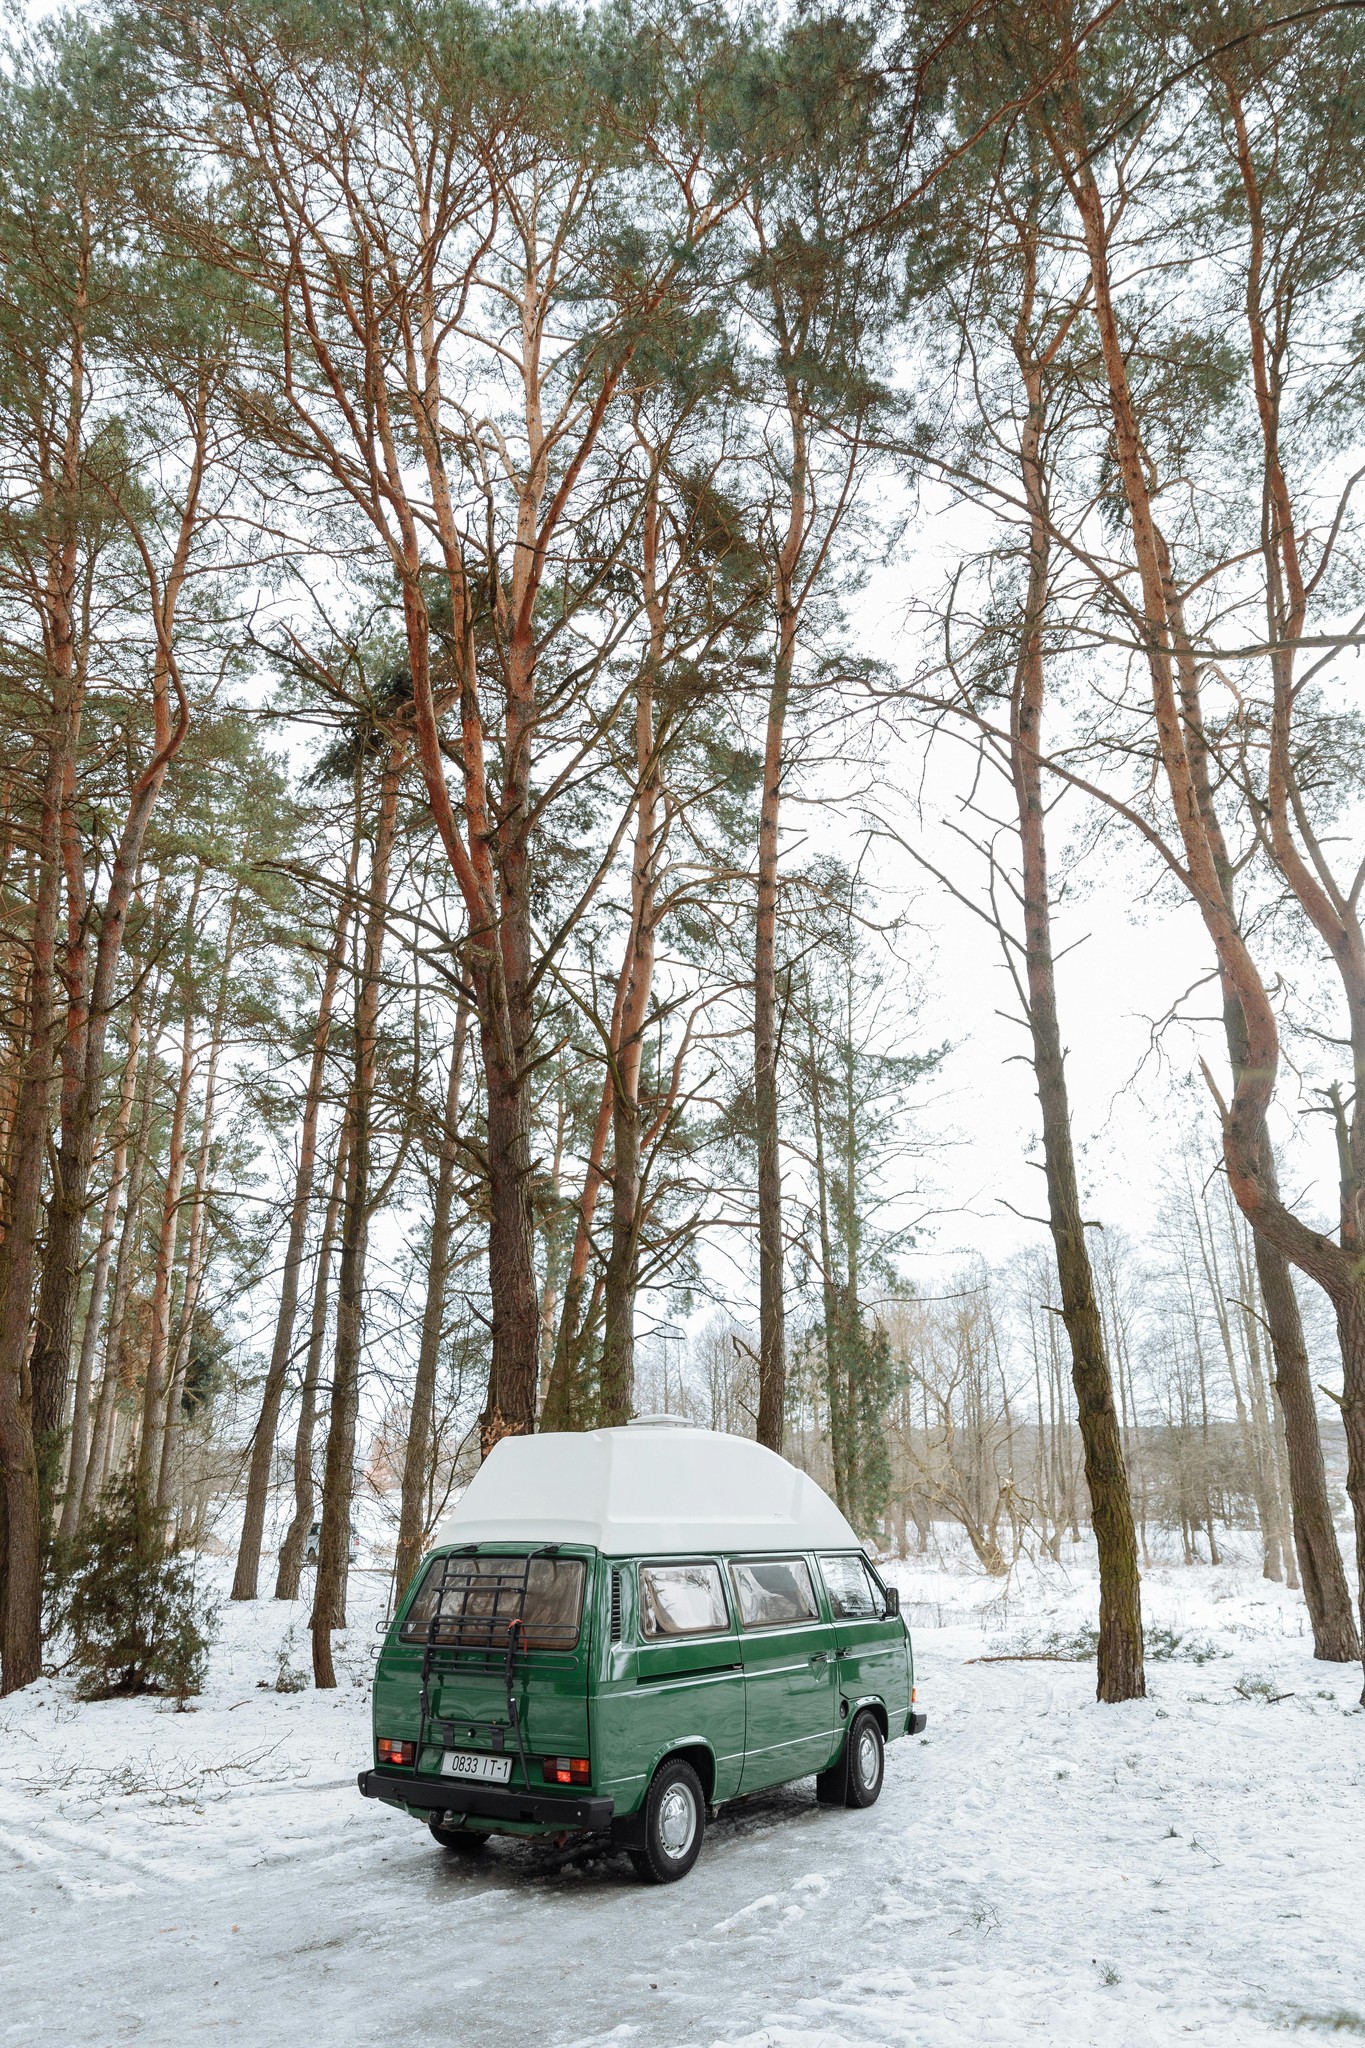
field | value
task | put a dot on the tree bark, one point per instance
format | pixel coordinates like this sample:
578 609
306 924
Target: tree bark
21 1642
565 1406
1326 1593
80 1444
510 1405
101 1443
30 1408
154 1386
89 1011
296 1537
623 1257
1335 1267
788 599
1120 1674
412 1529
246 1576
329 1592
829 1292
196 1247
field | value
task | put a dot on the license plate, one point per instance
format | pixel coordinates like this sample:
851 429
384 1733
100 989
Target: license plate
466 1763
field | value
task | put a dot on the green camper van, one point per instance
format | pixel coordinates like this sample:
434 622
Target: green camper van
618 1631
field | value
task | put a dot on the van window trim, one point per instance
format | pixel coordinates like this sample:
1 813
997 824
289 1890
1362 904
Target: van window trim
686 1635
817 1587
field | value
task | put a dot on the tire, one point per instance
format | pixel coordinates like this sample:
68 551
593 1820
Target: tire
674 1823
465 1841
855 1779
865 1761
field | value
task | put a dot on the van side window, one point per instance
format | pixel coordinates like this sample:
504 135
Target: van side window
682 1600
853 1594
775 1592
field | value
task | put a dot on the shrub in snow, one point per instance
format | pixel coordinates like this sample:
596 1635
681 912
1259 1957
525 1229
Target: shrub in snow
290 1677
136 1620
1081 1645
1162 1643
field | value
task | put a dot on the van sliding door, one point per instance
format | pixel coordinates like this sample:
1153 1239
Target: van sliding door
681 1683
789 1671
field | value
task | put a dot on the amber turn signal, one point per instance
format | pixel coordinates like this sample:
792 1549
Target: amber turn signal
566 1770
396 1752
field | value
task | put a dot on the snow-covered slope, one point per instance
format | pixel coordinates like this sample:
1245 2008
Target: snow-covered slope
1039 1869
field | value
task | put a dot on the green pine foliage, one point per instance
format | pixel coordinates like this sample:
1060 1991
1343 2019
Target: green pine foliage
137 1622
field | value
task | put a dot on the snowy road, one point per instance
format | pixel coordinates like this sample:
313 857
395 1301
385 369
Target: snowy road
1039 1870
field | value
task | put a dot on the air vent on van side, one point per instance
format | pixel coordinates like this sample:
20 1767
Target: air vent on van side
616 1606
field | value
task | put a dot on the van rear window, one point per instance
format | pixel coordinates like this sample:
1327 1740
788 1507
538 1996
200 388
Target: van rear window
475 1600
682 1600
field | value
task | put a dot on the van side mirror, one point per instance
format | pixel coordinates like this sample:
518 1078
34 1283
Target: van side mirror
893 1599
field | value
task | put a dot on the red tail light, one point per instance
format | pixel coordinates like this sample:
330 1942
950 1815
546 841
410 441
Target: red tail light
396 1752
566 1770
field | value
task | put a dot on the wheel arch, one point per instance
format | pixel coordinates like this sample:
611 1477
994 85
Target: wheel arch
875 1706
695 1751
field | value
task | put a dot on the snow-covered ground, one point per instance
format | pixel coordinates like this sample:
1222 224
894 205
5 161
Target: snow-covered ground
1039 1869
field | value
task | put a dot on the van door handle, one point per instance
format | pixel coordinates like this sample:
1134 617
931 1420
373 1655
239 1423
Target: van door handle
819 1657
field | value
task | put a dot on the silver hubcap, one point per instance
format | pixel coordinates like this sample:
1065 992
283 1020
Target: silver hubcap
677 1820
867 1757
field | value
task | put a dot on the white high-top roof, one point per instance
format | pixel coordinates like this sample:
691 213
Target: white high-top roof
660 1488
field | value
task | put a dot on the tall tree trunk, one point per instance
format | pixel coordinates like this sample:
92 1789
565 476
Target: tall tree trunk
198 1233
80 1445
1336 1267
1253 1447
829 1291
412 1531
1120 1674
21 1588
31 1407
245 1578
60 1281
329 1592
1326 1593
92 989
772 1332
565 1405
553 1280
623 1258
296 1536
514 1371
101 1443
154 1386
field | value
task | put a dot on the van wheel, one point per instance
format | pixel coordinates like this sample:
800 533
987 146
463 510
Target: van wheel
675 1821
856 1778
468 1841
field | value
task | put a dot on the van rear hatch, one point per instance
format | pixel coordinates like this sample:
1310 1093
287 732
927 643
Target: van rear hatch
495 1646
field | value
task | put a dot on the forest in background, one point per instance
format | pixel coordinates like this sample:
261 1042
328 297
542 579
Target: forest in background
452 804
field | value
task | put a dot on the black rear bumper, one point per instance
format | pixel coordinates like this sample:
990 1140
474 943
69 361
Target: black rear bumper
916 1723
486 1802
